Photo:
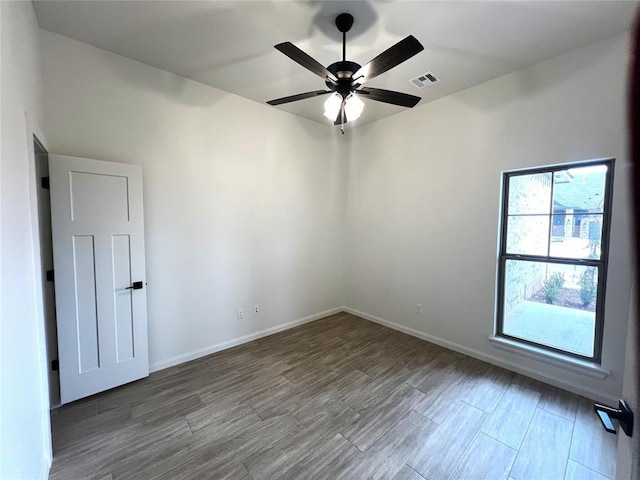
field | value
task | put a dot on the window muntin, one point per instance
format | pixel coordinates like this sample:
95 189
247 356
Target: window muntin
553 257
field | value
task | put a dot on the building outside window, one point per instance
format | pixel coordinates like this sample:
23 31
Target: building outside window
553 257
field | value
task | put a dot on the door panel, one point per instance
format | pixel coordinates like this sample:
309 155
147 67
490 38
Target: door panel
86 315
122 297
88 190
98 245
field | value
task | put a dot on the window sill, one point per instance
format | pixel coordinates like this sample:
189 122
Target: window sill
575 365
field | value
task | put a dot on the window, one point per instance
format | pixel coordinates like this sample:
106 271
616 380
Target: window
553 257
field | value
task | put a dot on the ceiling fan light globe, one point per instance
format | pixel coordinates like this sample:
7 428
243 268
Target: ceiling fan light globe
332 106
353 107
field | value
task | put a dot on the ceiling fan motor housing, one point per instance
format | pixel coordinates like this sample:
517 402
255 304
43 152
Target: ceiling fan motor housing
344 71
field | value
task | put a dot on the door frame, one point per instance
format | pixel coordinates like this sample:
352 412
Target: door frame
34 132
46 262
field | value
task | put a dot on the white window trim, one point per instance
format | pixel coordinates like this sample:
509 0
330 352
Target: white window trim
583 367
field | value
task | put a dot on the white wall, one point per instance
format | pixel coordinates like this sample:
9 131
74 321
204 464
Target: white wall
243 203
424 191
25 444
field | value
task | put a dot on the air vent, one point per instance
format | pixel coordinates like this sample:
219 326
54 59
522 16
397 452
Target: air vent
425 80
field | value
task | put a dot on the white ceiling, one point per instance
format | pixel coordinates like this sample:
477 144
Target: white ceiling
229 44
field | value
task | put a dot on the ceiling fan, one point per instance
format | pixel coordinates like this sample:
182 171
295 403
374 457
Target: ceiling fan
344 79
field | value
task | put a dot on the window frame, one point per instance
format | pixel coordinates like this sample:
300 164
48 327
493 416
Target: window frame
601 263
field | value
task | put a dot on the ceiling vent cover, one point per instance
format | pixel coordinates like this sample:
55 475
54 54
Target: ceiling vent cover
425 80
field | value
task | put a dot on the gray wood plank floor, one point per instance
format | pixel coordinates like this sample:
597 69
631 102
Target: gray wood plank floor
338 398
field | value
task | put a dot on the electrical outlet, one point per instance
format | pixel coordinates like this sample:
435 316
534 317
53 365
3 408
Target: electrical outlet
256 309
240 314
419 309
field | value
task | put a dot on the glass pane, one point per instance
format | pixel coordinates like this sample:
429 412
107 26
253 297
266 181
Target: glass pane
530 194
578 201
576 236
551 304
579 190
528 234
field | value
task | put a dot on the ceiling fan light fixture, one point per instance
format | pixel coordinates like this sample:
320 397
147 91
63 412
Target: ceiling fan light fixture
353 107
332 106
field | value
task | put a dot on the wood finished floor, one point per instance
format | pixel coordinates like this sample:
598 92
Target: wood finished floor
339 398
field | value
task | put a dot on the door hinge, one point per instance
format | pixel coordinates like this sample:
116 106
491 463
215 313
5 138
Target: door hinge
54 365
44 182
49 275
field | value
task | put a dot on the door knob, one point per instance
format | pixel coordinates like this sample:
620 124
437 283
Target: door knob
135 286
623 415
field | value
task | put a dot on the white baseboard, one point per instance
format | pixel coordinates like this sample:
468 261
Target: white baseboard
185 357
45 467
500 362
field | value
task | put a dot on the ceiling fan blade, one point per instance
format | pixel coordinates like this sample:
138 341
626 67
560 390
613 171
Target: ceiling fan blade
401 51
297 55
389 96
341 118
300 96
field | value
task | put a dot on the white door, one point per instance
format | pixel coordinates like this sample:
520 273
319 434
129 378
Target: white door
628 458
98 256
